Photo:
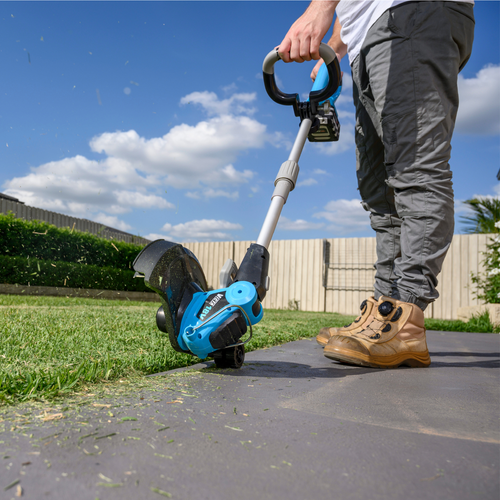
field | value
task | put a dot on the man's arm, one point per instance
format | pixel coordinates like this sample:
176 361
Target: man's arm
301 43
336 44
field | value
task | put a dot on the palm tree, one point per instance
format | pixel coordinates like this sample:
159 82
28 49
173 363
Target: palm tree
485 213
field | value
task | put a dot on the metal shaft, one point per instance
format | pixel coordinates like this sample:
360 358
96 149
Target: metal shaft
277 202
300 140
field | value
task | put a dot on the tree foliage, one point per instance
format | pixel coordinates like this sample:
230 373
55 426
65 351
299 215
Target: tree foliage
485 214
485 218
488 285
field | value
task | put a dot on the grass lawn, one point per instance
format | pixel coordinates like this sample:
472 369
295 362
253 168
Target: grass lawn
52 346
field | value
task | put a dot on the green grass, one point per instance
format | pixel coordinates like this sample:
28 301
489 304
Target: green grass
477 324
53 346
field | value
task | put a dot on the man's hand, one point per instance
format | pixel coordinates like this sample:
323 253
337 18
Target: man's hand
302 41
336 44
314 72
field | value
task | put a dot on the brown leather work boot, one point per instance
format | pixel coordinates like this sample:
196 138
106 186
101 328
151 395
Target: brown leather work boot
326 333
395 336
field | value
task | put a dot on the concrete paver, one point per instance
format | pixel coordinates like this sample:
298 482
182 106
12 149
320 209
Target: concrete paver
290 424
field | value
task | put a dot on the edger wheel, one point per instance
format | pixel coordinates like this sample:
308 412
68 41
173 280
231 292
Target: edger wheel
232 357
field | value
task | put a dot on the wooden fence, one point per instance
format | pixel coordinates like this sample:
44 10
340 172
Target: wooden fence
335 275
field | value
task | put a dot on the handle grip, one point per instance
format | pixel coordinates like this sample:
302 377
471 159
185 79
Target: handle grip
317 94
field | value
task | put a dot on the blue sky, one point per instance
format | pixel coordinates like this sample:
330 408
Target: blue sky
152 117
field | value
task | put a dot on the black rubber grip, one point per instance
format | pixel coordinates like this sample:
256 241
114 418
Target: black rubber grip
334 79
276 94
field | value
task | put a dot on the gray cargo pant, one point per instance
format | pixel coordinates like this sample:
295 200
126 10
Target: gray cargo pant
406 97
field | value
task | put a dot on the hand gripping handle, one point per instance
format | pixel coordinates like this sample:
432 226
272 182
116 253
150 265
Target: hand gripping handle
315 96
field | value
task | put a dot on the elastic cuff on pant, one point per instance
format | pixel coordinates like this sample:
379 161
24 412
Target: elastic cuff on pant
403 297
380 292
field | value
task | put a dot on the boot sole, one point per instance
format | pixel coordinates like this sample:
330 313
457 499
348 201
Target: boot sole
411 359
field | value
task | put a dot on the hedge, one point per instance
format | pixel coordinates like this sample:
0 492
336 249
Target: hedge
37 272
39 240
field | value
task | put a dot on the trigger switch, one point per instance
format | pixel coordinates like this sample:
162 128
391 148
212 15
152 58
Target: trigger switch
267 283
256 308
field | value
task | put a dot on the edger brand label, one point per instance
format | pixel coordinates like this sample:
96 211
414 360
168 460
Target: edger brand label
213 304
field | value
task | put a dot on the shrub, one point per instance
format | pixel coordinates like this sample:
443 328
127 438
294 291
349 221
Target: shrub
488 285
37 272
39 240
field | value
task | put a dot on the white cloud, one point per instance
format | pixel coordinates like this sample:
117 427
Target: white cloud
346 84
233 176
230 88
140 200
220 193
345 97
210 193
345 216
346 117
82 187
479 110
188 155
236 104
461 207
319 171
135 169
307 182
157 236
200 230
496 194
111 221
286 224
279 140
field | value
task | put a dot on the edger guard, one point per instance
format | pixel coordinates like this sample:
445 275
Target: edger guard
175 274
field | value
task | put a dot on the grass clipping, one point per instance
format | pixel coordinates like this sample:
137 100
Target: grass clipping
53 346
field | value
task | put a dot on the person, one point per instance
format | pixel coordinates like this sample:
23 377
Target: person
405 57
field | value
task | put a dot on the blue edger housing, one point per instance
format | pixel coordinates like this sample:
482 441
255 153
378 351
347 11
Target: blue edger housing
209 314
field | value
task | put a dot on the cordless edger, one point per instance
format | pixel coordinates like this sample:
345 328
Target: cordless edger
212 323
